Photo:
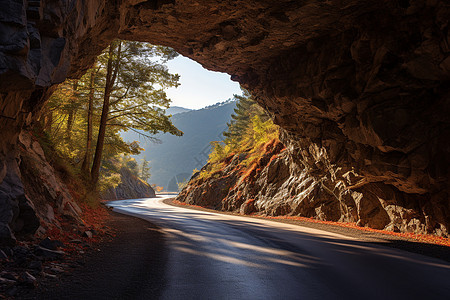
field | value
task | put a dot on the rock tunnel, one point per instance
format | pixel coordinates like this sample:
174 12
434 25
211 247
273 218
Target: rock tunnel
360 88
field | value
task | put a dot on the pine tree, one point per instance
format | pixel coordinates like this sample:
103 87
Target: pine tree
112 69
123 91
246 109
145 170
248 131
85 167
131 101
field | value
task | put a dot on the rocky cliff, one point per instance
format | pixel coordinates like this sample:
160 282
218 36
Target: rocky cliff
276 185
45 196
130 187
358 86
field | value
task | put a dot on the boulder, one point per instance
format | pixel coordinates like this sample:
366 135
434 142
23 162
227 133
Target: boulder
26 222
88 234
51 244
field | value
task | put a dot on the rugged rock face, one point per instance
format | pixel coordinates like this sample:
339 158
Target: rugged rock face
45 193
38 40
131 187
364 82
277 185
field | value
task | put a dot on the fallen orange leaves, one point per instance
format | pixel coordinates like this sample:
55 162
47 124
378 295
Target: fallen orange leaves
423 238
69 231
94 217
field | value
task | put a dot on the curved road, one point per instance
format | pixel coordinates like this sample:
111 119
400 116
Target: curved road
217 256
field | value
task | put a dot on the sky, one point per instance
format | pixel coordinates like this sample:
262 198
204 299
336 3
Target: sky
199 87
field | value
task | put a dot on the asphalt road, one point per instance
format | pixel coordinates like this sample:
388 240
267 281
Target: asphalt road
129 266
217 256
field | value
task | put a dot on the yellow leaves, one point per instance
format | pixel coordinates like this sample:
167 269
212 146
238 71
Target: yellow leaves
109 181
263 131
250 141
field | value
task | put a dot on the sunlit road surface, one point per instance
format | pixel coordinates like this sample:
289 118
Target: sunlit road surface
217 256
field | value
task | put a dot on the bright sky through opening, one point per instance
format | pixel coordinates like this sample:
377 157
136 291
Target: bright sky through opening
199 87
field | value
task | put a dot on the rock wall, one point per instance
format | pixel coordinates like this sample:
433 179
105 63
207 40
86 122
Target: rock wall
366 82
38 41
39 194
278 185
131 187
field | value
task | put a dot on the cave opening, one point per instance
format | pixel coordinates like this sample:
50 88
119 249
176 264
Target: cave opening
349 86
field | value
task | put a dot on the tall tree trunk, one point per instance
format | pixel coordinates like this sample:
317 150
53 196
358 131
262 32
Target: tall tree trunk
87 154
72 113
111 74
48 121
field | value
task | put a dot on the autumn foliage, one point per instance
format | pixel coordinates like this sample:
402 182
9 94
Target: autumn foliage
71 233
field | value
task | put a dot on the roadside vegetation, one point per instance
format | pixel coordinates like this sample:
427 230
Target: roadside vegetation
81 123
248 132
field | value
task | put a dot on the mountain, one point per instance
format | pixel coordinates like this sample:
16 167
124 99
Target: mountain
173 110
173 160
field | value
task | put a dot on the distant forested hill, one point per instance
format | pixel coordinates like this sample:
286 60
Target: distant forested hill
174 159
173 110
